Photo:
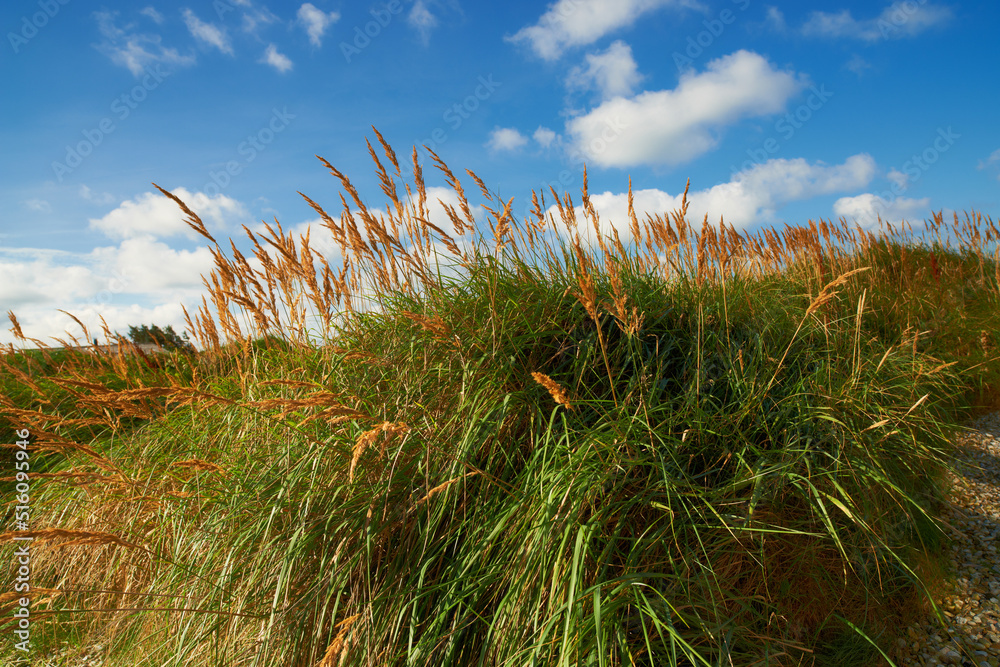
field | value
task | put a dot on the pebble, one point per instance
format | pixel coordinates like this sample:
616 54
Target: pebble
971 636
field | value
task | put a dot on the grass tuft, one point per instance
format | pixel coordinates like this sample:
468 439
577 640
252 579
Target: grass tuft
668 444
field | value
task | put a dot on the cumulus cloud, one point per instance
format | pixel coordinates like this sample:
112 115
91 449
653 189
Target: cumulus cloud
544 136
278 61
867 208
899 179
316 22
152 214
148 265
903 18
570 23
506 139
132 50
669 127
142 280
750 197
207 33
613 73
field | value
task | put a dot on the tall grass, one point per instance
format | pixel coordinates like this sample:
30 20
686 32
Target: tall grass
693 446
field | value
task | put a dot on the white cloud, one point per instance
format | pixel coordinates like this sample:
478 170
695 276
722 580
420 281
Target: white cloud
544 136
142 280
902 18
253 17
154 215
39 205
506 139
675 126
866 209
148 265
994 157
156 16
207 33
569 23
614 72
776 20
751 197
858 65
135 51
97 198
316 22
278 61
900 179
421 19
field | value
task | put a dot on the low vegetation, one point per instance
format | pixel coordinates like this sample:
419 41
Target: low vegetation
658 443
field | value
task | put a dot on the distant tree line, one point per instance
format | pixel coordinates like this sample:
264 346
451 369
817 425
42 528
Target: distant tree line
166 338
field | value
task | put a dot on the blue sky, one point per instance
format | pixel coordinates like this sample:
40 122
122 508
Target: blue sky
777 112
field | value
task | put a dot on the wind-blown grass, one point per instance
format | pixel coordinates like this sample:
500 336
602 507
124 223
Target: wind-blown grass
702 448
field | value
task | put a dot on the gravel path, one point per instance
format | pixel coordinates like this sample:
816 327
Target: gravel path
970 604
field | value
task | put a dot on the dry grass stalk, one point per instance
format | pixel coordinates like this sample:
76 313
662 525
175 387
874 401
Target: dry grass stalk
75 537
444 485
435 324
555 390
332 656
368 437
197 465
193 220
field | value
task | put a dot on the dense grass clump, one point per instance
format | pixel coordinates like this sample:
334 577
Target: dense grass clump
702 448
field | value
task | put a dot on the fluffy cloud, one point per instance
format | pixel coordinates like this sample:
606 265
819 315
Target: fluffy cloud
866 209
675 126
613 72
278 61
506 139
544 136
144 265
141 280
570 23
316 22
751 197
903 18
152 214
207 33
